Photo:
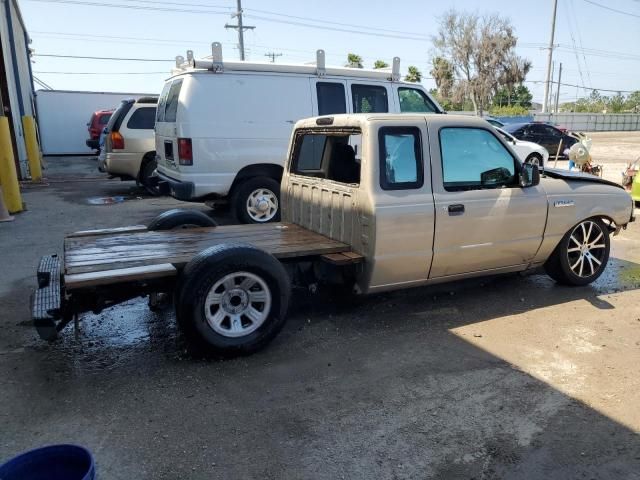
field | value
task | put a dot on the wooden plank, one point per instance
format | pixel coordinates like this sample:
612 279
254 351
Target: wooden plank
108 277
342 258
108 231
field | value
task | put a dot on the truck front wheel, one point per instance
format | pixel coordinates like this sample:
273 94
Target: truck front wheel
232 299
257 200
582 254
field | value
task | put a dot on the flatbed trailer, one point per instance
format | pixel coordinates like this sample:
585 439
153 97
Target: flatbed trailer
101 268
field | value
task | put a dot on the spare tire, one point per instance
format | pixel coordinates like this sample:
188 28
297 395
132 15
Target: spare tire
232 299
179 218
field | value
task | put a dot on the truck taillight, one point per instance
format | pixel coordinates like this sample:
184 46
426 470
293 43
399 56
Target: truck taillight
117 141
185 153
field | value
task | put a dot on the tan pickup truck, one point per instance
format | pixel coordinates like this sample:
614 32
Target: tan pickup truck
371 202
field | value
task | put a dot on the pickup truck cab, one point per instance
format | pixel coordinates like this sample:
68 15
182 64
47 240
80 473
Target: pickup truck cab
371 202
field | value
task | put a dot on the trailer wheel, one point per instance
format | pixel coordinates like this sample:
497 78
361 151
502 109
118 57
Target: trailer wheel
232 299
178 218
257 200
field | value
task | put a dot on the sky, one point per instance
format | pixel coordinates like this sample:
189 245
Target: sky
598 40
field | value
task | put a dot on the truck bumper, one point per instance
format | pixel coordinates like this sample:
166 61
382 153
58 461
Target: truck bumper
175 188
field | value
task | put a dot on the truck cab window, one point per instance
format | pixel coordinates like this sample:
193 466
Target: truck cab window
414 100
473 158
331 98
400 158
369 99
328 156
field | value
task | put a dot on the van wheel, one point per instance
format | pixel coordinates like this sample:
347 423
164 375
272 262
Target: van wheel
534 159
178 218
257 200
146 176
582 254
232 299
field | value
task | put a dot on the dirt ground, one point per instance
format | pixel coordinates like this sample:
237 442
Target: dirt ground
508 377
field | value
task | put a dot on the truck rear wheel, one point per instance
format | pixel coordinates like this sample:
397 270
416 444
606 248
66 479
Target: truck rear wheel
232 299
582 254
257 200
180 218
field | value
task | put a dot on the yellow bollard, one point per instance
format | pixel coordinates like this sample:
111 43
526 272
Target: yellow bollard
8 175
33 152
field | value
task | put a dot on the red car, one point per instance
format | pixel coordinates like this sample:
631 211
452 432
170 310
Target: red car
97 123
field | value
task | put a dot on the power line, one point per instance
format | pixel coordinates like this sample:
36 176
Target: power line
612 9
104 58
102 73
132 7
272 56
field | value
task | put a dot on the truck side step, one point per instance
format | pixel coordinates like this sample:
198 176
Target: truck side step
47 299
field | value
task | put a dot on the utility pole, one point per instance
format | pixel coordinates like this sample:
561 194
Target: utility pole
240 27
551 96
273 56
558 87
545 101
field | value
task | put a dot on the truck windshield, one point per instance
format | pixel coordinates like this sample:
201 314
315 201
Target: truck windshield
329 155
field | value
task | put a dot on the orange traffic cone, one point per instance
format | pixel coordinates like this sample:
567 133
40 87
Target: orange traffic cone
4 213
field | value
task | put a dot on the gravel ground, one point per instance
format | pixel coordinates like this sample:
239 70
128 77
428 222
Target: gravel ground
508 377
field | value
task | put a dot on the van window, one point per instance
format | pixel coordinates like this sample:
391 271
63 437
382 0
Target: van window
369 99
142 119
162 102
331 98
171 107
330 156
400 158
414 100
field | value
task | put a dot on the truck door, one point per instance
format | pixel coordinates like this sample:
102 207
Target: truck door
484 220
401 189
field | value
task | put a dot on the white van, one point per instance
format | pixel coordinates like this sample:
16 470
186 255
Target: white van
223 128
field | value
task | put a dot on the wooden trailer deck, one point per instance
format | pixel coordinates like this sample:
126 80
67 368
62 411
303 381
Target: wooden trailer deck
102 257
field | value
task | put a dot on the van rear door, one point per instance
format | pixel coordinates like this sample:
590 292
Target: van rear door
166 132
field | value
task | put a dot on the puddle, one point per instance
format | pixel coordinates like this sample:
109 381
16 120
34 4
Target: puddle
106 200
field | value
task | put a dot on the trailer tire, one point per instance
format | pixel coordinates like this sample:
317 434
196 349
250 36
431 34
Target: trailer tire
179 218
232 299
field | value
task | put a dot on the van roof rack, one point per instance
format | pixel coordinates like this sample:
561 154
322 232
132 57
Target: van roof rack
215 64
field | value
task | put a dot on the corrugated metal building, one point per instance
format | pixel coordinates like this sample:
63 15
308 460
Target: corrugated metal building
16 84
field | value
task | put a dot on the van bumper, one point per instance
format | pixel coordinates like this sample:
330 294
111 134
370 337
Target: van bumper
175 188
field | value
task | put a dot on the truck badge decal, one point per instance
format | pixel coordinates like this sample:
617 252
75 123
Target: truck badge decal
563 203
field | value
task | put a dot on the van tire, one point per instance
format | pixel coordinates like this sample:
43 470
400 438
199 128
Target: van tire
197 308
145 177
178 218
250 188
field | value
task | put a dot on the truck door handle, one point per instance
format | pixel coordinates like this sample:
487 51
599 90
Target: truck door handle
456 208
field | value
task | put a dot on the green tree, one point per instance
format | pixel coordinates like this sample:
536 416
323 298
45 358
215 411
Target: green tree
442 73
413 74
632 103
380 64
616 103
354 61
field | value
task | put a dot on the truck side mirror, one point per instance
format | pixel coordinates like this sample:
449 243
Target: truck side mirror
529 175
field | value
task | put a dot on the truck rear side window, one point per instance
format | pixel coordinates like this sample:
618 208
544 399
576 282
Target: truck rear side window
171 107
142 119
330 156
414 100
369 99
400 158
331 98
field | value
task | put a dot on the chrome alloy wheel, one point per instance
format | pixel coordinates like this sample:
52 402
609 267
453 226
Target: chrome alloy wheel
237 304
262 205
587 249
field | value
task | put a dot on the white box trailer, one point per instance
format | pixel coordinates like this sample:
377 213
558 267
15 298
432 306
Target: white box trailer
63 116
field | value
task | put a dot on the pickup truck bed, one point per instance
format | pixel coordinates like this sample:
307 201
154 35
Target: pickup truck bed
101 257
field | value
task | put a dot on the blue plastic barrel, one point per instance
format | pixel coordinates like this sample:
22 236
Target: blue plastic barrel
56 462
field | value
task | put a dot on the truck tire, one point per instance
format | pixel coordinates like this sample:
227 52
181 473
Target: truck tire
257 200
582 254
178 218
232 299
